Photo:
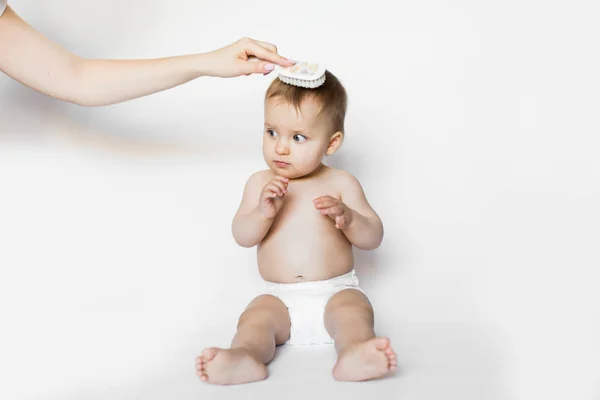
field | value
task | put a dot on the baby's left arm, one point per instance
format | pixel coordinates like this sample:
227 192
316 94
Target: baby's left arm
353 214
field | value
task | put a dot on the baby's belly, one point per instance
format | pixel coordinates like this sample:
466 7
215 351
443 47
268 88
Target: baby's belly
299 253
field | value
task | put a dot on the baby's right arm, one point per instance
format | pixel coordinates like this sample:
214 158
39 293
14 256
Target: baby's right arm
262 200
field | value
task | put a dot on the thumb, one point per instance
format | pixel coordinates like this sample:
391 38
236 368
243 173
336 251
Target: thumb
258 67
338 222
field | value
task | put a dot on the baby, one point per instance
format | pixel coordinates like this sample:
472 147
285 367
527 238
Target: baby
305 217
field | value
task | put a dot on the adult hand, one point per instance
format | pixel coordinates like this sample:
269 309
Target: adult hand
243 57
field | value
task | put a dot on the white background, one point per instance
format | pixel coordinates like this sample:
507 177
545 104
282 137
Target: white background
473 127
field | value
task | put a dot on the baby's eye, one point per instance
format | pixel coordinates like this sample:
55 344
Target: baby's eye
299 138
271 133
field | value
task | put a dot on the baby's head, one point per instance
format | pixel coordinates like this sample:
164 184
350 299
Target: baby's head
302 125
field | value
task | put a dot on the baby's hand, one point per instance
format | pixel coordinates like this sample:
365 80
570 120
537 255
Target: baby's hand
335 209
271 197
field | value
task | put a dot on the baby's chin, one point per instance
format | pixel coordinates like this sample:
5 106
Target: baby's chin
287 172
291 172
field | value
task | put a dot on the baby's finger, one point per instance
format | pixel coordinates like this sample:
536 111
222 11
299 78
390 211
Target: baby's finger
280 186
332 211
325 203
272 193
341 222
283 180
321 198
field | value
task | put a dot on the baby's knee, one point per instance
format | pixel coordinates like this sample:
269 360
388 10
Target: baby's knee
350 312
259 312
354 309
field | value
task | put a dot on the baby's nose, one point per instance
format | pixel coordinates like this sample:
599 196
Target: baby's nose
282 147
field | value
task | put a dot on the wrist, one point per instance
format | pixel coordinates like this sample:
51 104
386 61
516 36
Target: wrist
351 217
262 215
202 65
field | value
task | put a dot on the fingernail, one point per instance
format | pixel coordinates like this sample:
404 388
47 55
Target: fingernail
269 67
292 61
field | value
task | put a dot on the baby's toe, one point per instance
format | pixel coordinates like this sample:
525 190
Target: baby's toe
382 343
209 354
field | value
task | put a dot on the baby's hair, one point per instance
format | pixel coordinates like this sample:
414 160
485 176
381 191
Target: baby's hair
331 95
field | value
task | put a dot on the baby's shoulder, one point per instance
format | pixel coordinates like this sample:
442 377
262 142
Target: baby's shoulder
260 178
341 177
343 183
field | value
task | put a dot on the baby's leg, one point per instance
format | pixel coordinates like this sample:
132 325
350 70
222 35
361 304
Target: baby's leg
361 355
264 324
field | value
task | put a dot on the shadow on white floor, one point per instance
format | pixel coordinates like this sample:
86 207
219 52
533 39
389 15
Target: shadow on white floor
437 361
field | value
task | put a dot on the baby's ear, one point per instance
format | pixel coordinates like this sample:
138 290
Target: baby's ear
335 142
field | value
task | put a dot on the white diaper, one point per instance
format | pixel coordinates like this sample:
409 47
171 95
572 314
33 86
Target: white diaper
306 303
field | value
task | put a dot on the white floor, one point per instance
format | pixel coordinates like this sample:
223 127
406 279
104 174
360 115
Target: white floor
472 126
118 271
305 373
431 368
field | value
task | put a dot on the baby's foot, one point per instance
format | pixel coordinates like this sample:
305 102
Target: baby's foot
229 367
366 360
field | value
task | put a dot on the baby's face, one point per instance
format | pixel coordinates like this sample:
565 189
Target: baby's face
294 143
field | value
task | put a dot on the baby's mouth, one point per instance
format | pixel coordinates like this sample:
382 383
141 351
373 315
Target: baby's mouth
281 164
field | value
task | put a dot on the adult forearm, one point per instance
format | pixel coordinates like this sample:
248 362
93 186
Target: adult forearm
102 82
34 60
